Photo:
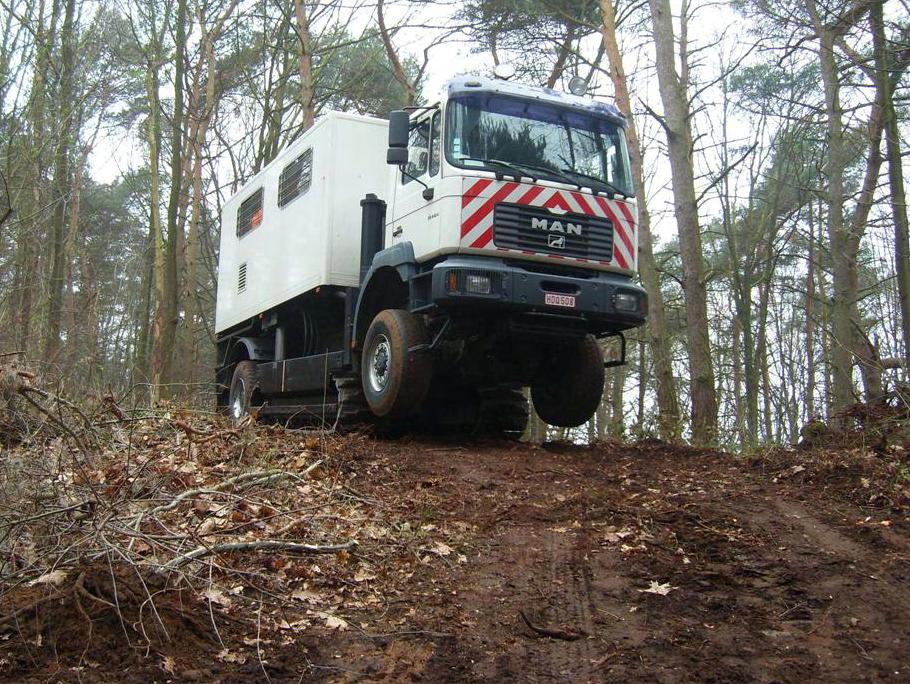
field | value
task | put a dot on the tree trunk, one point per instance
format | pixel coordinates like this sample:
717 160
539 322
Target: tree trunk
398 71
738 403
861 348
810 322
895 174
28 270
62 184
667 402
307 88
642 388
761 358
155 236
841 329
171 304
74 350
565 49
617 417
203 110
676 123
141 359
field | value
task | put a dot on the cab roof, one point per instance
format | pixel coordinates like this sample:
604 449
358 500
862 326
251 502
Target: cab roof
478 84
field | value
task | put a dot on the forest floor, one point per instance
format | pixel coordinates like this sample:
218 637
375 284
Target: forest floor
496 561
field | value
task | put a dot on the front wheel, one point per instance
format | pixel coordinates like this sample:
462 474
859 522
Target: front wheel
567 391
395 372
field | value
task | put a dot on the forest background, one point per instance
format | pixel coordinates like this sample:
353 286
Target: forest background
767 141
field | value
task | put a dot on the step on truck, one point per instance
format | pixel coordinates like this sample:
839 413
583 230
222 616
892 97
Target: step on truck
425 270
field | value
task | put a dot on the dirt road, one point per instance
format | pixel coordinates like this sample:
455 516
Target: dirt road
646 564
510 562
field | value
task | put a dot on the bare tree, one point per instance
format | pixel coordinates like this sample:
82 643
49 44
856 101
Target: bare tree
676 122
667 403
887 73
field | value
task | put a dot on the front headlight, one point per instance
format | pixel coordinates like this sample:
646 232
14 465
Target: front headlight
627 302
478 284
471 282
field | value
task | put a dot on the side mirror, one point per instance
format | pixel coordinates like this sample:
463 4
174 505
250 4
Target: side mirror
399 123
397 156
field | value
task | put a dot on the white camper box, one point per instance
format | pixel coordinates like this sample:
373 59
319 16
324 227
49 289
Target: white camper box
282 236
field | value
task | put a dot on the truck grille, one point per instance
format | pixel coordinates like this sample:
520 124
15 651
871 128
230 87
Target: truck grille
523 227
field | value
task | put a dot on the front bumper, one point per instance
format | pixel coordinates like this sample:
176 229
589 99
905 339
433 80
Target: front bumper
604 302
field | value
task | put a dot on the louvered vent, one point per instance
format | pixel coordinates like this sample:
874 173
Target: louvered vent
249 215
295 178
241 278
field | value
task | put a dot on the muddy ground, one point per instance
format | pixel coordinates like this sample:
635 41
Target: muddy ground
562 564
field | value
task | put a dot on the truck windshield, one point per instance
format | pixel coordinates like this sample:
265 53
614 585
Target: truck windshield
541 139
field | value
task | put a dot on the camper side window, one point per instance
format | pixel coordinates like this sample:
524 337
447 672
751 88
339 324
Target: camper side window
295 178
418 150
249 215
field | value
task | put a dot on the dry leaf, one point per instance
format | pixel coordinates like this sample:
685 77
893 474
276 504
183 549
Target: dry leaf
333 621
215 595
362 575
54 577
169 665
305 595
225 656
619 535
658 588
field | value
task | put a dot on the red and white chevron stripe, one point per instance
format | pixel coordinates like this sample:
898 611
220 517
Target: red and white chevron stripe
481 196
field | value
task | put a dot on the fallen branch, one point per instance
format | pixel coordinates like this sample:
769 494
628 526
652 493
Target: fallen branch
204 436
262 545
242 480
22 389
563 634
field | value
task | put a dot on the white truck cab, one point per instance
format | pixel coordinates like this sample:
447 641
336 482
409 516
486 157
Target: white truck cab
494 142
497 242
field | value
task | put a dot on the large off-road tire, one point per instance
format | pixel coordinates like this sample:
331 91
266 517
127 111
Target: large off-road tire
243 388
568 388
504 413
396 369
454 407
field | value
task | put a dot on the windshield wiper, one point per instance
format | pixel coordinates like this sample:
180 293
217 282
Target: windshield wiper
511 168
612 189
549 170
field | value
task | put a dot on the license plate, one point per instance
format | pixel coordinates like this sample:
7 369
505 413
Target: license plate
567 301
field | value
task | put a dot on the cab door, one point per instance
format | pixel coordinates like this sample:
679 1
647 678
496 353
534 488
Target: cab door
414 214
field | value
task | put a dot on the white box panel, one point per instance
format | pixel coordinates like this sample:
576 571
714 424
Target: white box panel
315 238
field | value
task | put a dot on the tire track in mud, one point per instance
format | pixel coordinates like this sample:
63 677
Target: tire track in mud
765 586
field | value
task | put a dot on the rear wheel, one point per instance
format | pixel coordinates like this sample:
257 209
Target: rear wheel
504 413
395 374
243 387
568 389
456 408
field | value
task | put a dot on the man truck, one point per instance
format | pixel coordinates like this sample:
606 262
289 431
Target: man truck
427 269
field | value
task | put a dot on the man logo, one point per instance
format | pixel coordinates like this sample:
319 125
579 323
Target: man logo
556 241
567 228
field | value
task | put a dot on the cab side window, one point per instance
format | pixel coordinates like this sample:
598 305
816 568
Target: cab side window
435 130
418 150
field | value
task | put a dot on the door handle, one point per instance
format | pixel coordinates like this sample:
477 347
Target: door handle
398 231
